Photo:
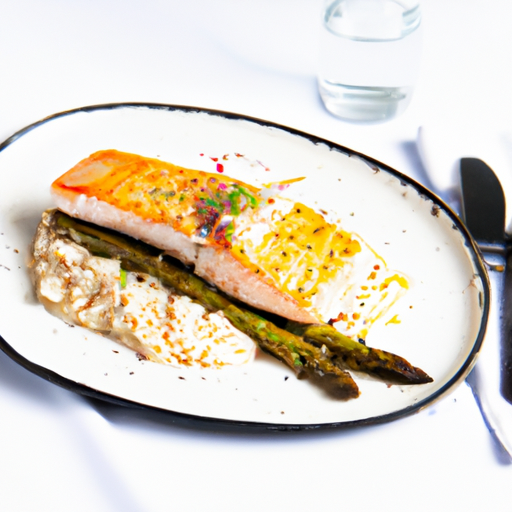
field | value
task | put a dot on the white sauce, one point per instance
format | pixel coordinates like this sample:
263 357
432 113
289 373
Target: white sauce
140 313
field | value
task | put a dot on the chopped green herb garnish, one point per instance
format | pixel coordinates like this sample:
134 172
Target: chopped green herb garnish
211 202
252 200
122 277
230 229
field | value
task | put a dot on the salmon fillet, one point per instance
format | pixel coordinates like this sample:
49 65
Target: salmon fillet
269 252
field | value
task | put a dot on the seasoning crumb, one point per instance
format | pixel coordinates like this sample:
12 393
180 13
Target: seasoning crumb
286 378
131 373
181 378
115 351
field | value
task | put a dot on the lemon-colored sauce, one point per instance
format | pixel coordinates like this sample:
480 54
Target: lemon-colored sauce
300 251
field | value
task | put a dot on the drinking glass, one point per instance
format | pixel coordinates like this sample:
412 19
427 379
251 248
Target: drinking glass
369 57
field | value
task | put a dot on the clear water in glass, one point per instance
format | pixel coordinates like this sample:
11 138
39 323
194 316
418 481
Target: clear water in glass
369 57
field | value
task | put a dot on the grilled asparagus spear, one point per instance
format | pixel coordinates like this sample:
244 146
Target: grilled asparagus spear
305 359
359 357
307 349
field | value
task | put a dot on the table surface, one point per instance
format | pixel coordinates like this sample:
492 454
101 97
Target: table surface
60 451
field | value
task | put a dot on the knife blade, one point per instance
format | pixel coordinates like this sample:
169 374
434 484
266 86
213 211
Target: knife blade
483 212
483 204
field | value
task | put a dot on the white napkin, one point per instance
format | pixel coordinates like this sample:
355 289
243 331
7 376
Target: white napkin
440 150
442 146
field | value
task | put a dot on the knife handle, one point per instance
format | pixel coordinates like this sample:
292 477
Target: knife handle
506 338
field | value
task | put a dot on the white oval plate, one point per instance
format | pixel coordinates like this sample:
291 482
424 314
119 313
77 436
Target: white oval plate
442 317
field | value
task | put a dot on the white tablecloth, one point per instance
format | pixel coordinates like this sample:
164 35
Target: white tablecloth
62 452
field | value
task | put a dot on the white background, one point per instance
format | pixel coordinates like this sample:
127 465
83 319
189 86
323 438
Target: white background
62 452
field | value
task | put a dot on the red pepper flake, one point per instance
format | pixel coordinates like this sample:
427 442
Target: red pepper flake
271 200
215 159
220 168
263 165
341 317
376 267
201 154
239 155
225 157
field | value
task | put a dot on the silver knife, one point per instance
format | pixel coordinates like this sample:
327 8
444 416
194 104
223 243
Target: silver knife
483 212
